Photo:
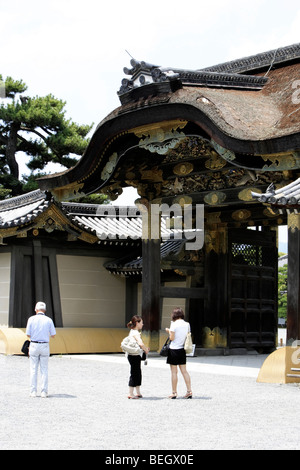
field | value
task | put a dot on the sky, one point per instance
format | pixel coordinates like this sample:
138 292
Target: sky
76 50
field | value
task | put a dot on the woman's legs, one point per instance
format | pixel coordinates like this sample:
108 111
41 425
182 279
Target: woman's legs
135 379
186 377
174 379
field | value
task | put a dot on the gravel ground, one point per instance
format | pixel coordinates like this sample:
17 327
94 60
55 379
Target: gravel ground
88 408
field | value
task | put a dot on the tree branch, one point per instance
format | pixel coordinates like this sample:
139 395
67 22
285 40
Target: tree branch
3 139
47 131
28 129
22 138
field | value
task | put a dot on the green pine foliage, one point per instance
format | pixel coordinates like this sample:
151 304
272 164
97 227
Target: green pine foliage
38 127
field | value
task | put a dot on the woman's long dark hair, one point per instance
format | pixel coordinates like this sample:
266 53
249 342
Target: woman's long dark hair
135 319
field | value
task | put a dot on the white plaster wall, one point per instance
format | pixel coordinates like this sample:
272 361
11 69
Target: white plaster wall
5 266
91 297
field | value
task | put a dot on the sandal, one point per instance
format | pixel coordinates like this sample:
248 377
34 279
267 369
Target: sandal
133 398
188 394
173 396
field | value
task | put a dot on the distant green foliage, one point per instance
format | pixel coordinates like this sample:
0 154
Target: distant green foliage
4 193
282 291
93 199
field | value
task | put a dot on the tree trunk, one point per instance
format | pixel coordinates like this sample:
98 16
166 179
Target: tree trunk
11 150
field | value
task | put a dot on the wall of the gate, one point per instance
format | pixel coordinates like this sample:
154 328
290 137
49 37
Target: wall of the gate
90 296
5 267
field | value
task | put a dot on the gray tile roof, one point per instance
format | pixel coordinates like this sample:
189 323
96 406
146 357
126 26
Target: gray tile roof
287 196
23 209
107 222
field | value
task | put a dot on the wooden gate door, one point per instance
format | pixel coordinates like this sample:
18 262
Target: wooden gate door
252 290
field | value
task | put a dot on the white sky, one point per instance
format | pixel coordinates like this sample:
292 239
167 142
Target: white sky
76 49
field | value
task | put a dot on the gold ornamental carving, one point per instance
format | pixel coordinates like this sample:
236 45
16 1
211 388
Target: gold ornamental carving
215 198
110 166
293 222
213 218
282 161
241 215
269 212
182 200
155 174
183 169
245 194
160 137
215 162
159 129
87 237
214 338
68 192
113 191
216 240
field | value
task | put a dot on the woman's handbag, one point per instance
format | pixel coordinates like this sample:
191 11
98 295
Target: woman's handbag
144 356
129 345
165 349
188 344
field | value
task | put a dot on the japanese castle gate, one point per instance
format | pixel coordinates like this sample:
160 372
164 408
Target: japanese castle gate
209 137
214 139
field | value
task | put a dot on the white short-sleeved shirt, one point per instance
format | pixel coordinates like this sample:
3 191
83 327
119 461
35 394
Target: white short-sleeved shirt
181 329
135 333
40 328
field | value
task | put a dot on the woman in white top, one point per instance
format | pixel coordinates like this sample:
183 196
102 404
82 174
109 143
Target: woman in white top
135 380
176 355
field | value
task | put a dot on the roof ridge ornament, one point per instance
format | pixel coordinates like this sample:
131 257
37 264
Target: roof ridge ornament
148 79
142 74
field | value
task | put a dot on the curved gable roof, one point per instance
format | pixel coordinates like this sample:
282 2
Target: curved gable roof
248 106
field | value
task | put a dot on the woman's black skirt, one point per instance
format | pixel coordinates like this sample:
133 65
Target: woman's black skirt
176 357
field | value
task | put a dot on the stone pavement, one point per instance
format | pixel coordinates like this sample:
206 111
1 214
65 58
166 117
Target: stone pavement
88 408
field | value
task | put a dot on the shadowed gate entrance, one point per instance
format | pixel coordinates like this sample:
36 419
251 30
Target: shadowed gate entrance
253 261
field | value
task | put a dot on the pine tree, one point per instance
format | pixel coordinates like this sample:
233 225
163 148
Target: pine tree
38 127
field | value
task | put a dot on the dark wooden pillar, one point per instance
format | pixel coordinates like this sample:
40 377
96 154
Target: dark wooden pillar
151 284
215 305
38 271
293 288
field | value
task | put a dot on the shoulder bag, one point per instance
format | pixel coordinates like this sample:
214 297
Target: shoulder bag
165 349
188 344
129 345
25 348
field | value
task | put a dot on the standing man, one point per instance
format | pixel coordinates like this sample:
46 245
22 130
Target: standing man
39 329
